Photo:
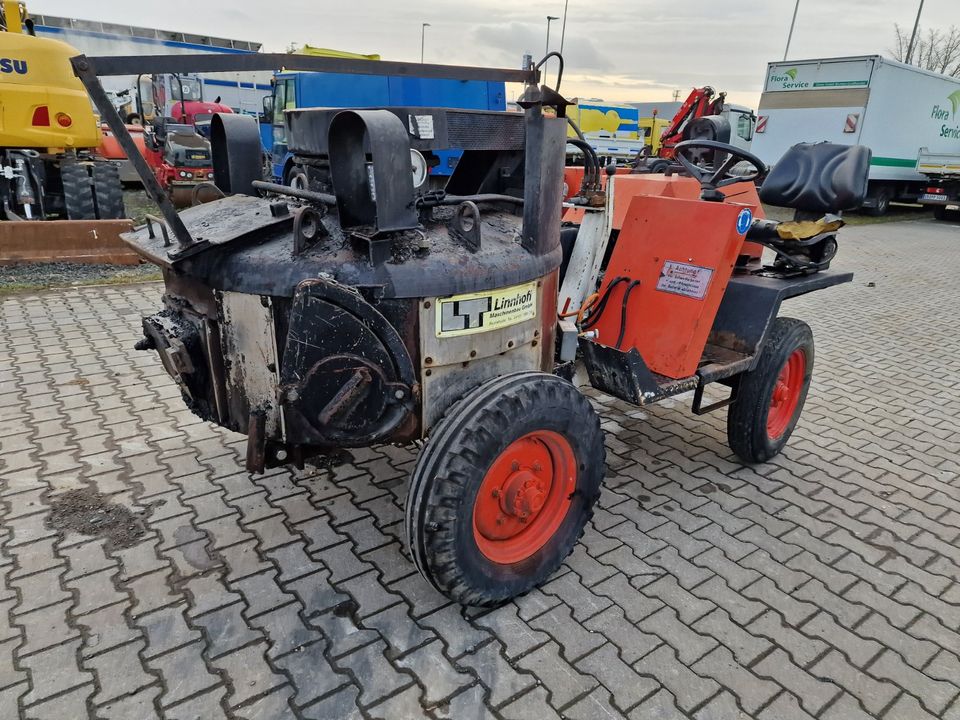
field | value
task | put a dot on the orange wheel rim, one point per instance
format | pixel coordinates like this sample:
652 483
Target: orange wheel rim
786 394
524 497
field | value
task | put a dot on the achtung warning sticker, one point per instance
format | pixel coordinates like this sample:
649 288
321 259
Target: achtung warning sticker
681 279
480 312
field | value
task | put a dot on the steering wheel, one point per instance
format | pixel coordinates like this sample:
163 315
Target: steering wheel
712 178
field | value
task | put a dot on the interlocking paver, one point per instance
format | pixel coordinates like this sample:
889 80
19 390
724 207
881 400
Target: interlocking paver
752 692
435 672
626 684
701 587
370 667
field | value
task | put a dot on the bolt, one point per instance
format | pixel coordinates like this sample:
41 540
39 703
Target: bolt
281 454
500 519
537 467
496 493
473 353
428 360
398 394
426 305
510 344
514 466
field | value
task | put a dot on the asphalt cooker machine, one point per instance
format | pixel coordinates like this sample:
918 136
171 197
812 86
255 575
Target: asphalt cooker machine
364 311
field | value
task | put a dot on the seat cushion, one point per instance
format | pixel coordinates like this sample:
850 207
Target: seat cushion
819 178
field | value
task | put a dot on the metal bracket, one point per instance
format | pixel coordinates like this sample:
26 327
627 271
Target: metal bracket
698 408
151 219
465 225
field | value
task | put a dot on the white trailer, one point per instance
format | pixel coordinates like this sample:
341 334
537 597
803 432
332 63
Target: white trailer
242 92
892 108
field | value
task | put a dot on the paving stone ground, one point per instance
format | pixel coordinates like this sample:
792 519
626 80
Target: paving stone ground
823 584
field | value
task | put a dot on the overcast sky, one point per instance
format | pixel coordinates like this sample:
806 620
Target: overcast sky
614 49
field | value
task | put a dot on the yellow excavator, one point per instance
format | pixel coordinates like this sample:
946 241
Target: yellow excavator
48 131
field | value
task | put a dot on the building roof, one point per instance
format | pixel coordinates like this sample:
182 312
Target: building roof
132 31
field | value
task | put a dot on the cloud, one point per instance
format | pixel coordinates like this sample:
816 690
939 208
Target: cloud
506 39
617 49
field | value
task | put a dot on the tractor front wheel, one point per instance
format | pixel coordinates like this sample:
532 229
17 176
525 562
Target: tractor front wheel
770 397
503 490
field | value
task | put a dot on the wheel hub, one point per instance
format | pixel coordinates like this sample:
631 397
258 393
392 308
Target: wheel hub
785 397
524 496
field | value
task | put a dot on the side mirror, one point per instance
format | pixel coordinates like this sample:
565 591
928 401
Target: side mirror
267 115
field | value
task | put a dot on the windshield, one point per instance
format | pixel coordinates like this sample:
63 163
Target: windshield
191 88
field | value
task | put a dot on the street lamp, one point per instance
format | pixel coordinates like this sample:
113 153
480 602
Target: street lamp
423 33
563 27
913 35
550 19
790 34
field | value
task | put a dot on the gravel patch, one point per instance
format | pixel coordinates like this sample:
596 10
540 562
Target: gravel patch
31 276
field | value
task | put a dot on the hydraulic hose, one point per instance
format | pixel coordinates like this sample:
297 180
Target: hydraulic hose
591 163
623 312
595 313
583 145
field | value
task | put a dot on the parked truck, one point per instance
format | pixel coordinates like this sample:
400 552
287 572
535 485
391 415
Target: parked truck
942 171
293 90
892 108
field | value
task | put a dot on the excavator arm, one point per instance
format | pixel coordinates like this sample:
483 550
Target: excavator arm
701 101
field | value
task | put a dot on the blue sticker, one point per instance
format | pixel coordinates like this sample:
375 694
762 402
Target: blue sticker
743 221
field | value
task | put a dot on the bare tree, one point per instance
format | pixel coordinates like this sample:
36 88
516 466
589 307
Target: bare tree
937 50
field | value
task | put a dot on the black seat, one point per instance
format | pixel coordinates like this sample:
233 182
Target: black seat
819 178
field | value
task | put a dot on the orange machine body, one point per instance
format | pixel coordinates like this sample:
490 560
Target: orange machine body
685 187
627 186
676 254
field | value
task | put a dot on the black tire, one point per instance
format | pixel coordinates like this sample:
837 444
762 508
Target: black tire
658 167
77 192
747 417
453 465
108 191
882 207
940 212
297 178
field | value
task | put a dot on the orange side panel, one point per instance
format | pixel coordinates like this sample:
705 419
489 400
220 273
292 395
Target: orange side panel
682 252
680 186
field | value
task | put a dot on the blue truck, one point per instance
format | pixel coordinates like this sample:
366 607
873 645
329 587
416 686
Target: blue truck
293 90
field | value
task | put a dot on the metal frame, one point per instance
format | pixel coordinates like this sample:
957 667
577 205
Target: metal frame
90 69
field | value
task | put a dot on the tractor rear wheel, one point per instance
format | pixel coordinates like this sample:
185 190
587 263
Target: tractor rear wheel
108 191
77 192
770 397
503 490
